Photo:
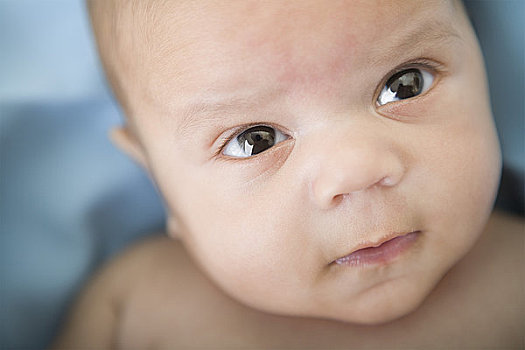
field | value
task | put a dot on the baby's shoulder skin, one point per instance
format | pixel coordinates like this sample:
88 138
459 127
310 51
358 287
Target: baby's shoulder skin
95 320
504 237
150 296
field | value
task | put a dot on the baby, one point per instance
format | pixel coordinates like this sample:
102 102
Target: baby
328 168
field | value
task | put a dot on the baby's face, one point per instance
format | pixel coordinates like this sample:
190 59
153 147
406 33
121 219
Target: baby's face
284 136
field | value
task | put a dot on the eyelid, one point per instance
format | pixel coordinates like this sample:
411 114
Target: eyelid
433 66
236 131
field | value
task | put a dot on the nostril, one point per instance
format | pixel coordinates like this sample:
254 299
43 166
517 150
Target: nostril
338 199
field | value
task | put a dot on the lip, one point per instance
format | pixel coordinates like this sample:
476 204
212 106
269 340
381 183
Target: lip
381 252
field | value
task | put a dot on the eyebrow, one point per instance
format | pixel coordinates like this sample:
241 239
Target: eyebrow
210 108
432 33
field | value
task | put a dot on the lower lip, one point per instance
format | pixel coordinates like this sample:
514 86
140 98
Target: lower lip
381 254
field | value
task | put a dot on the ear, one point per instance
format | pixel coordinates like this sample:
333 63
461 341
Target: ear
125 140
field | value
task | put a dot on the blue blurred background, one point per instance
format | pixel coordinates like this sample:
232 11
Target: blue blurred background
69 200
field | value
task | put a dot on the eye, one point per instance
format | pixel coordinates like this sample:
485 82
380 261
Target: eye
405 84
253 141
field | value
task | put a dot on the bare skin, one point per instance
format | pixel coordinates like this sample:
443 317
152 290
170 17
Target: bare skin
154 296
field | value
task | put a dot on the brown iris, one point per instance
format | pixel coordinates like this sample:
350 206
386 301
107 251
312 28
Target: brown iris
406 84
257 139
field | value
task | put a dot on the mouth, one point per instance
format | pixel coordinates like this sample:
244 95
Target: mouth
381 252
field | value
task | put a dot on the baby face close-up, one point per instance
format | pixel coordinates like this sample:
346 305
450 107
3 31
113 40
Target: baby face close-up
324 159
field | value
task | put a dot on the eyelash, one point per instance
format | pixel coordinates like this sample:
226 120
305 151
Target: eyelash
422 63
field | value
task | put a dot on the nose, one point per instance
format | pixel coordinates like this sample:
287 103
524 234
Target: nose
348 167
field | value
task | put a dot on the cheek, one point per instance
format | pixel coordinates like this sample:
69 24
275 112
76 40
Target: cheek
236 236
249 254
459 160
459 174
247 241
468 166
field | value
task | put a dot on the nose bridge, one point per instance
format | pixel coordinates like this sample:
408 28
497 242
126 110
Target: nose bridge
352 160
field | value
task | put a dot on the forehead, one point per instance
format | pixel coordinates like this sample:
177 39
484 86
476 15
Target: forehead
222 47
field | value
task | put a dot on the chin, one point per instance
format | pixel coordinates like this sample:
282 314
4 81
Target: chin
376 317
380 317
381 309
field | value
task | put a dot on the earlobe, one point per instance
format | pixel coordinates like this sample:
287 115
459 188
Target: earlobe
123 138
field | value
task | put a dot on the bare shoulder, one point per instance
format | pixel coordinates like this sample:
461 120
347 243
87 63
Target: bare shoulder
502 261
513 224
158 260
147 267
162 291
501 252
508 236
507 232
135 264
94 319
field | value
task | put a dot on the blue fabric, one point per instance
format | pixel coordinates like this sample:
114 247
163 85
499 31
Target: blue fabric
68 199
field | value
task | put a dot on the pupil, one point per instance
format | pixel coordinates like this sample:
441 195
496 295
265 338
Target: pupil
257 139
406 84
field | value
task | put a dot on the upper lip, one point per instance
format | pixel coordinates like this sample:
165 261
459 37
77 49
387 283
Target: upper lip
377 243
